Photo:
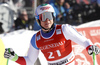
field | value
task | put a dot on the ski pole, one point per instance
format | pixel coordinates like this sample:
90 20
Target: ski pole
93 58
8 59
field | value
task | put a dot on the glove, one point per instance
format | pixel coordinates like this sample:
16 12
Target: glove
10 54
94 49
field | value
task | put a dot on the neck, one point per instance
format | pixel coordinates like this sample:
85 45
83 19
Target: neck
47 30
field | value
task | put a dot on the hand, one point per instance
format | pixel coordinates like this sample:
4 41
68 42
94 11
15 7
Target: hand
10 54
94 49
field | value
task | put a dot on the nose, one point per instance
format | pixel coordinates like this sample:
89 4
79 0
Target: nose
47 19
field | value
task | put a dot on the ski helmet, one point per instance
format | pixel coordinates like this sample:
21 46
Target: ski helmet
43 9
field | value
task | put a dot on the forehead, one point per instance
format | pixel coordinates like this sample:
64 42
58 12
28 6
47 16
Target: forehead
24 12
51 21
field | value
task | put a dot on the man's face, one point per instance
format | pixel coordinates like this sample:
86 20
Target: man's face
47 23
24 16
46 20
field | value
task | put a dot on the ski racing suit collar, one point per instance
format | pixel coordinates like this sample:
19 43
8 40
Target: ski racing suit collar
48 33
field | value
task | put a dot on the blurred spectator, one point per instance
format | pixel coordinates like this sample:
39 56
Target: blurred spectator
67 5
96 5
98 1
94 2
6 16
19 4
69 12
23 22
60 11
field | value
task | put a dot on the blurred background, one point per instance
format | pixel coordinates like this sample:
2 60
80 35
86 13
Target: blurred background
19 14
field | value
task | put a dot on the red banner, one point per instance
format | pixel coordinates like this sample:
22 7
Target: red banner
82 57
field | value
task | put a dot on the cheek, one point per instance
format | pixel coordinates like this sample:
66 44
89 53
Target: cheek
51 21
42 23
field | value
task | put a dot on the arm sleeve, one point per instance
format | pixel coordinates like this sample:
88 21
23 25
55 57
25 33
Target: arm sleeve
32 54
71 34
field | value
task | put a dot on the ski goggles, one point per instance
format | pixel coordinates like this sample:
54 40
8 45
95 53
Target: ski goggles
45 15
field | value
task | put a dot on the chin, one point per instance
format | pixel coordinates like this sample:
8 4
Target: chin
47 27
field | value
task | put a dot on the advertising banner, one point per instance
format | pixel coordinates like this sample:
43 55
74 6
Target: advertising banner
82 57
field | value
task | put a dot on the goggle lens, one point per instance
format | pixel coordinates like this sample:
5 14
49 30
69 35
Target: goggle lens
44 16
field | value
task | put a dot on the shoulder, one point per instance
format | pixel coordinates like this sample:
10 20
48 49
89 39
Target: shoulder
34 36
58 25
17 20
69 29
33 41
65 26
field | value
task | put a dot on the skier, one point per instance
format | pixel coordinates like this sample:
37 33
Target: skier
53 40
